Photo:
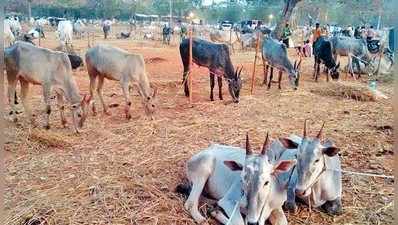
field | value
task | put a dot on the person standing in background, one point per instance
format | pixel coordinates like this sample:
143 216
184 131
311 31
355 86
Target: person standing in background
106 27
286 32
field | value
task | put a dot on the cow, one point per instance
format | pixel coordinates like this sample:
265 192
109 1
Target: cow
15 25
241 181
317 173
248 40
65 32
36 32
113 63
53 74
106 27
323 53
217 59
79 28
275 54
228 37
9 37
352 48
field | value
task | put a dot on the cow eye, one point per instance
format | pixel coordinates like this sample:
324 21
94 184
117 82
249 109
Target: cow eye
316 160
266 183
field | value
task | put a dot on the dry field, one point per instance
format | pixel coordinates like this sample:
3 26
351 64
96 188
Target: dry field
125 172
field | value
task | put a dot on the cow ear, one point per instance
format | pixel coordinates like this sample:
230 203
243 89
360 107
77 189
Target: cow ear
234 166
287 143
330 151
283 166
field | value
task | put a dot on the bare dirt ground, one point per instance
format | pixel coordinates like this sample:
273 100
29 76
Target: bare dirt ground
125 172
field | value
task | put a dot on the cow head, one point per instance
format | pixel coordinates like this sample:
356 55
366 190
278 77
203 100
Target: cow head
235 84
294 75
257 177
310 159
80 112
334 72
149 102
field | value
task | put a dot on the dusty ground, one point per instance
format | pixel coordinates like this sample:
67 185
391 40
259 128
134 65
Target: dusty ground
124 172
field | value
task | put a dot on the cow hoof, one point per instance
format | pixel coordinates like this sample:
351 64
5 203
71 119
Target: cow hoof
291 207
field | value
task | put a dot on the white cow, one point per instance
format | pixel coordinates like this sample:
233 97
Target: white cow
9 37
15 25
65 32
79 28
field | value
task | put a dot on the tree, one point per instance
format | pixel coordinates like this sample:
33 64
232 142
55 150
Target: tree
284 17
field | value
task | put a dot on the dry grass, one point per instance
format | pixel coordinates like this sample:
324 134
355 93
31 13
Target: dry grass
356 91
125 172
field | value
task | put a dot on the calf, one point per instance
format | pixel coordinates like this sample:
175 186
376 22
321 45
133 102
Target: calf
275 54
318 172
113 63
244 181
217 59
65 32
53 73
323 54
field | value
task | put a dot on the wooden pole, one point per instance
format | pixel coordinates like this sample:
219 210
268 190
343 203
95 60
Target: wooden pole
255 62
190 66
39 39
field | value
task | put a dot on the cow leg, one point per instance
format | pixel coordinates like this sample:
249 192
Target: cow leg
278 217
219 81
198 179
61 106
99 92
333 207
270 77
185 80
280 79
125 89
265 69
93 80
47 101
318 68
228 206
25 103
16 98
11 95
211 86
219 216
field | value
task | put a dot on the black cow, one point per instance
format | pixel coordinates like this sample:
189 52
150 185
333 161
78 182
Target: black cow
75 61
323 54
216 58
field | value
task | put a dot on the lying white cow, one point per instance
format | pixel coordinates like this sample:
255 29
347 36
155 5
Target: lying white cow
317 174
113 63
52 70
65 32
236 178
9 37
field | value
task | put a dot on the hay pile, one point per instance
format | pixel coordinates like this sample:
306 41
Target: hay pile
350 90
47 138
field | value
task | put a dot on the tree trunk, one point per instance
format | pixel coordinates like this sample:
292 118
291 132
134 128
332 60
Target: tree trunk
286 14
29 9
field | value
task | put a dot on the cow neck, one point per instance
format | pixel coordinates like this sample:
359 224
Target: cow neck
144 87
319 175
71 90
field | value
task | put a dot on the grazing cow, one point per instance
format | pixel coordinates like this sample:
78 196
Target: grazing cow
9 37
317 173
217 59
113 63
247 182
323 54
65 32
351 47
54 73
79 28
225 37
275 54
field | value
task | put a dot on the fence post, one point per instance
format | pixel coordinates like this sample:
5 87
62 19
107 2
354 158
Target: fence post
255 62
190 78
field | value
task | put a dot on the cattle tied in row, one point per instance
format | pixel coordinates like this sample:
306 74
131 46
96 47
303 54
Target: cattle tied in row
217 59
113 63
323 53
275 54
54 73
234 176
317 173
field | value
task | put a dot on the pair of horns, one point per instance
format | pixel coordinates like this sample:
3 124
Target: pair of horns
238 71
248 147
297 65
318 136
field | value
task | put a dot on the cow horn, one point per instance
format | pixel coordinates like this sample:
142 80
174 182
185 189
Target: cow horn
240 71
320 131
264 150
295 62
248 148
305 129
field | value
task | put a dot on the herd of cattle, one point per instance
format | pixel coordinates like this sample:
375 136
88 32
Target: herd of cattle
244 182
